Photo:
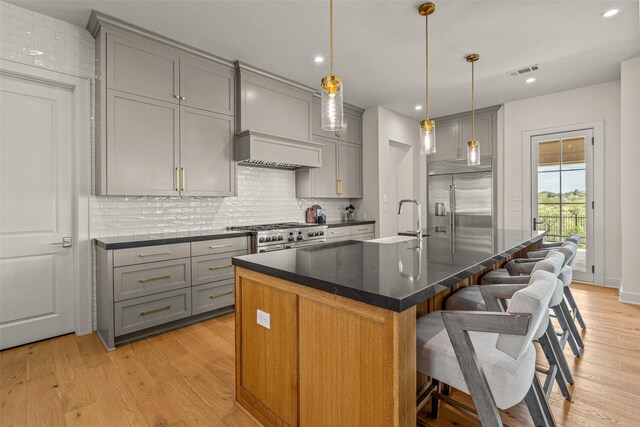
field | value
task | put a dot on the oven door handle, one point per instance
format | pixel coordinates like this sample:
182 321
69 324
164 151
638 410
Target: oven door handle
270 250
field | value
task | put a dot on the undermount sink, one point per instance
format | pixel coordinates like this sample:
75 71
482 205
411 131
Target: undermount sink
392 239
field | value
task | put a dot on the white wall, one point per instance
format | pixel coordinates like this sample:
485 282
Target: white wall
588 104
393 169
630 177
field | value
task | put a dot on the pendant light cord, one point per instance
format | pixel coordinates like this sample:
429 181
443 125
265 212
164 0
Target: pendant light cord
426 107
331 37
473 102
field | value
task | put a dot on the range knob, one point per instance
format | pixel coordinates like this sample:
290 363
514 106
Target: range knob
261 240
300 236
291 238
280 237
268 239
311 234
321 233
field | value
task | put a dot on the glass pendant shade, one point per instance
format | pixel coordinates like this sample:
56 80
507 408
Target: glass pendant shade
427 137
473 153
332 104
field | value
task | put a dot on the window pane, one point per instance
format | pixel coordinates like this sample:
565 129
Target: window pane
549 216
549 155
548 187
574 186
573 154
574 220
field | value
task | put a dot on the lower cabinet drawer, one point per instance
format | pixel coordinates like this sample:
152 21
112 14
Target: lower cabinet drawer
139 280
362 236
335 232
213 296
363 229
213 268
141 313
339 239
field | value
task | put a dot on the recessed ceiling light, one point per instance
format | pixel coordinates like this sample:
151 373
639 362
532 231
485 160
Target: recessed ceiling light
418 107
531 80
610 13
318 59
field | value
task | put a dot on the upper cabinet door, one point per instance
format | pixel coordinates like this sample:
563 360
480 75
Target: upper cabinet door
324 179
206 85
484 134
352 131
137 66
142 145
350 169
206 153
446 141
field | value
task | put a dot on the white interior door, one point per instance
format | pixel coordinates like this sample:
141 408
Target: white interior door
562 192
36 187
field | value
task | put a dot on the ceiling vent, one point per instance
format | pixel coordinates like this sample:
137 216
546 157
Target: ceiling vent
524 70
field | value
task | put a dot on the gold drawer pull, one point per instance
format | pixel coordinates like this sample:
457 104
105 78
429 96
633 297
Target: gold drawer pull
148 279
221 294
221 267
363 229
156 254
155 310
220 246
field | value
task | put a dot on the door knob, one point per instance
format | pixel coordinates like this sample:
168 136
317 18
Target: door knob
66 242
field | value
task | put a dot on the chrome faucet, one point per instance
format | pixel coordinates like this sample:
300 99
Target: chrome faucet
419 225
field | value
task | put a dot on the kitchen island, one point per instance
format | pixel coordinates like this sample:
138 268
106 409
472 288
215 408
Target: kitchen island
325 335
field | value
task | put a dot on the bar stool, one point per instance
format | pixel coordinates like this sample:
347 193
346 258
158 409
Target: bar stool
479 298
490 355
575 238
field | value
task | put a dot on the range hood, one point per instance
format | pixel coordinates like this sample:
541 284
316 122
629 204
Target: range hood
260 149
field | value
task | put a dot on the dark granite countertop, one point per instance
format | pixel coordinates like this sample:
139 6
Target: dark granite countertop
343 223
124 242
393 276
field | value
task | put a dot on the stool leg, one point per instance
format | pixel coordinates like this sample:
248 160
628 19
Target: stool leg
446 389
554 373
571 324
538 406
435 402
574 306
567 336
561 358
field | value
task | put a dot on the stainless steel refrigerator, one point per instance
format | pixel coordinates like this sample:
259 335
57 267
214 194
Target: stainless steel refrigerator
460 195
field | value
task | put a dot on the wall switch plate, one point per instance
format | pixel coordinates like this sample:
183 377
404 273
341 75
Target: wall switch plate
264 319
517 206
517 197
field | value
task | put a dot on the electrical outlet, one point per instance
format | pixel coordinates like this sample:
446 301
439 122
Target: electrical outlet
264 319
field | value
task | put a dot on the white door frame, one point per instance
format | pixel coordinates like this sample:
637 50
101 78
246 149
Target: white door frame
598 185
80 88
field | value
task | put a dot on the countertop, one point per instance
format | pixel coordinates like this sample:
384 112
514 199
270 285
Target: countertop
124 242
392 276
344 223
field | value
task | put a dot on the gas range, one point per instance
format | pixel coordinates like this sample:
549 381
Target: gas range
287 235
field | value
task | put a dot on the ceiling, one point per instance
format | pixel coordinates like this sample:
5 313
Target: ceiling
379 45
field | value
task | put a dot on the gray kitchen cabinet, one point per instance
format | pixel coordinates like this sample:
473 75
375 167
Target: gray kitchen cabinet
453 133
142 291
206 153
165 115
349 170
206 85
323 181
143 145
136 65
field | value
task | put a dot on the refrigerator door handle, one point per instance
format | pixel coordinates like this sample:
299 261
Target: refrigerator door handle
452 205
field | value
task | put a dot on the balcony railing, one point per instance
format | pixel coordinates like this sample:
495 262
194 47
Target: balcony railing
558 227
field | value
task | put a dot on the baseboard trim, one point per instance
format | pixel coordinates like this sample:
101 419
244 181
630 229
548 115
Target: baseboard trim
630 298
612 282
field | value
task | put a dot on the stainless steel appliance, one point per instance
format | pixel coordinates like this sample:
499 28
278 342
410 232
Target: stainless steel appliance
460 195
287 235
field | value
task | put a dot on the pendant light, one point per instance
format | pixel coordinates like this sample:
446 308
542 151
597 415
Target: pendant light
332 92
473 146
427 127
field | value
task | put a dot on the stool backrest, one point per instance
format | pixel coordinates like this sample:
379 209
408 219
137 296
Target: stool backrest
534 299
552 263
570 250
573 238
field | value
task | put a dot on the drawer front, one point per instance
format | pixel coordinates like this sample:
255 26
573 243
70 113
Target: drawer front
332 233
146 279
141 313
212 296
339 239
213 268
150 254
362 236
208 247
362 229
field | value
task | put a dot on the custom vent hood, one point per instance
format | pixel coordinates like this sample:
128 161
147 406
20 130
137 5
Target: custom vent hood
273 118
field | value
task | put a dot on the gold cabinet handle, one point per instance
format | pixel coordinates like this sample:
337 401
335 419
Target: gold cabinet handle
156 254
155 310
221 294
176 96
221 267
340 187
183 98
182 179
149 279
220 246
177 179
363 229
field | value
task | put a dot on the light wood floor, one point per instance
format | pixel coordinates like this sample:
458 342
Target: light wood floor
186 377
